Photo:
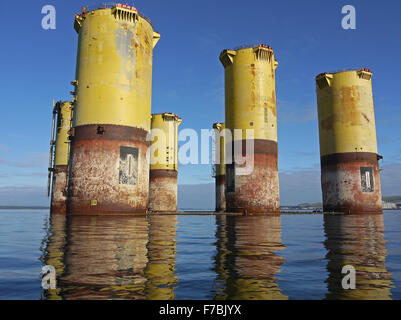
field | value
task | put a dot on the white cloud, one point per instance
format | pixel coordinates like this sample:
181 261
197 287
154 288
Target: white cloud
32 160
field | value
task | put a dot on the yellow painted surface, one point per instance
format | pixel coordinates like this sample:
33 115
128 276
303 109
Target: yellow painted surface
221 168
166 152
346 113
64 121
161 278
114 68
160 270
250 91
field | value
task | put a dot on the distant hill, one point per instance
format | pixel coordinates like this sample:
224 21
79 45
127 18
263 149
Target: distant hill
394 199
23 208
313 204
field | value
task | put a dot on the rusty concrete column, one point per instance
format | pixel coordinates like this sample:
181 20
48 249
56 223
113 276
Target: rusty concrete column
164 163
348 146
109 168
250 105
63 112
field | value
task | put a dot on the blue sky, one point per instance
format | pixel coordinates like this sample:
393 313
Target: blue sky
38 65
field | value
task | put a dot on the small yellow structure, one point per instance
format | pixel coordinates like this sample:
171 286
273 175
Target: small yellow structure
164 162
63 112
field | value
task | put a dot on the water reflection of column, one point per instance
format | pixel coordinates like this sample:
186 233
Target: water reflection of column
246 262
53 253
357 240
161 279
105 257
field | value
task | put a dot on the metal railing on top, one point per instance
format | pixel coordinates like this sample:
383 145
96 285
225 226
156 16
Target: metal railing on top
347 69
110 5
246 46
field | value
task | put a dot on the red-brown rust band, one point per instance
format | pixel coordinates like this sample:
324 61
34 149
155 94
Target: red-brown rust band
261 146
153 173
60 169
109 132
335 158
353 209
58 207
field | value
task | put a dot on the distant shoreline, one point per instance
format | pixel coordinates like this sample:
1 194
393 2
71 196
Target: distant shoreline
23 207
283 208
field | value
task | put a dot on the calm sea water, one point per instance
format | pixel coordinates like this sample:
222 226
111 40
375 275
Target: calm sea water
200 257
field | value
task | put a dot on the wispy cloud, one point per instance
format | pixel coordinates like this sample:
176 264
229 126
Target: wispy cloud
33 160
28 174
18 164
4 148
26 188
18 136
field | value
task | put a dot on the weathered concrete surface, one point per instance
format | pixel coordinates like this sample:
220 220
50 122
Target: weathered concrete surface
59 190
163 190
257 192
343 185
105 178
